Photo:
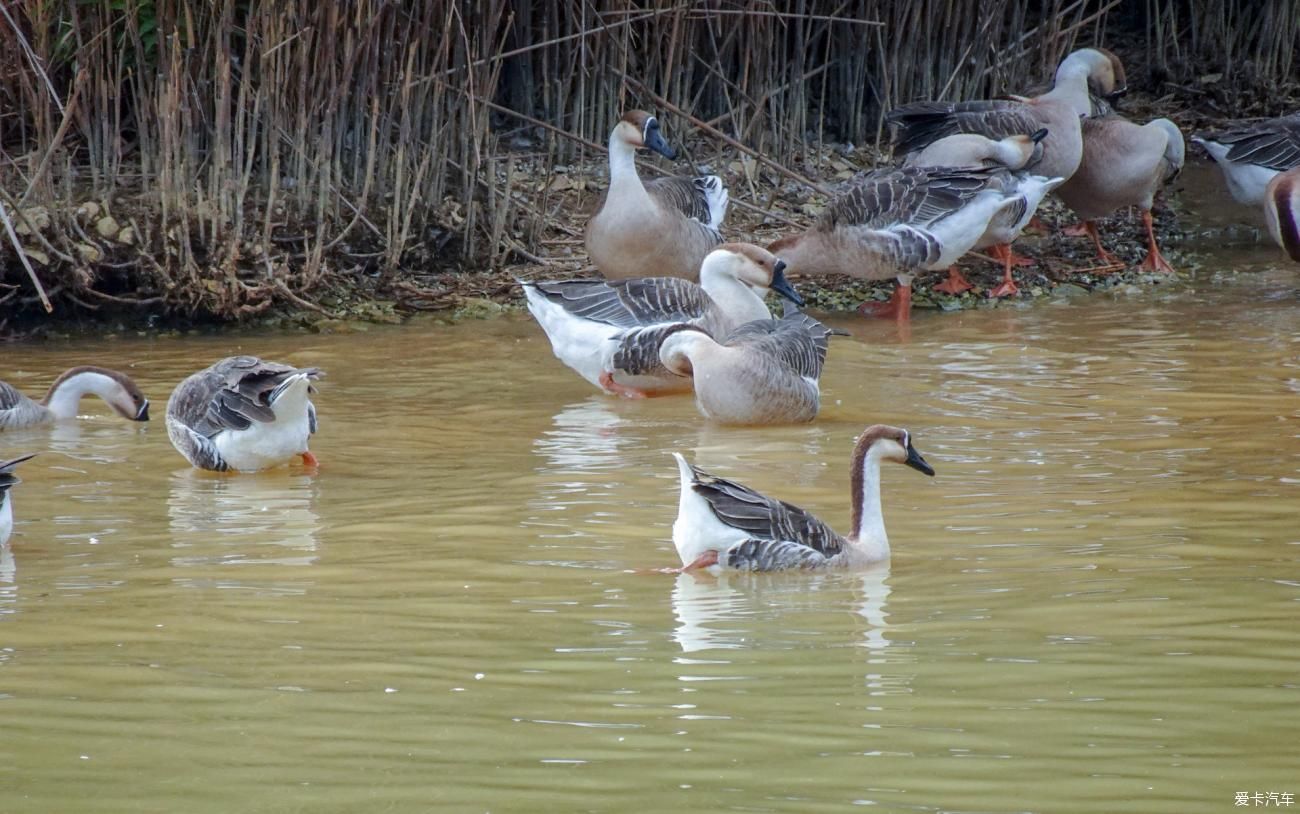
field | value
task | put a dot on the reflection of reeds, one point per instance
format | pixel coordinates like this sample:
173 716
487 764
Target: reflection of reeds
246 149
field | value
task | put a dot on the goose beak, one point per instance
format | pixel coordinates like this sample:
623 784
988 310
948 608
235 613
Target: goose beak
915 460
143 415
782 286
1038 136
654 140
1114 96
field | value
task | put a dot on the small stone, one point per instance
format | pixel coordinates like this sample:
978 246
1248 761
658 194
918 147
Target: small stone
88 210
37 216
40 257
107 227
89 253
126 236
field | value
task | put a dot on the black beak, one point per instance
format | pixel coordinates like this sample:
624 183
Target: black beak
654 140
915 460
1114 96
143 415
782 286
1038 137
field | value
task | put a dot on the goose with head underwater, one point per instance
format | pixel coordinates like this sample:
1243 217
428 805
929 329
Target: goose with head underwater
609 331
7 481
64 396
660 228
726 526
245 414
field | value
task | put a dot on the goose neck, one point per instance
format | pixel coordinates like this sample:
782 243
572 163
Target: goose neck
868 524
65 395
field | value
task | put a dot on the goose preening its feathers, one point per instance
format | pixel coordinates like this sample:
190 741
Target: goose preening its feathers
1124 164
609 331
658 228
763 372
897 222
722 524
1282 211
62 399
1251 154
245 414
7 481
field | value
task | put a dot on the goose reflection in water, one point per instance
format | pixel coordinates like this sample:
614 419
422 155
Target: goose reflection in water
719 612
268 518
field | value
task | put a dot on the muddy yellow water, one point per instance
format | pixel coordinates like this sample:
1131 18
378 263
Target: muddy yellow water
1094 606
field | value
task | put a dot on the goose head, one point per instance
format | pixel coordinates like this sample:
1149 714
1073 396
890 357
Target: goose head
888 443
756 267
639 129
877 443
1104 70
117 390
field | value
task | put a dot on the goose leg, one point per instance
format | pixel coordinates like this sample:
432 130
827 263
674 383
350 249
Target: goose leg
309 460
899 305
1154 260
705 560
1002 251
611 386
956 282
1090 229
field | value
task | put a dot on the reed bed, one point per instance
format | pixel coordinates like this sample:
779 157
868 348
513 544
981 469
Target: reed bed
221 157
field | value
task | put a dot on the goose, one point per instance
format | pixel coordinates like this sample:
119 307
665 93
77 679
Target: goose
64 396
1251 154
243 413
1123 164
7 481
609 330
919 124
725 525
763 372
659 228
897 222
1013 153
1282 211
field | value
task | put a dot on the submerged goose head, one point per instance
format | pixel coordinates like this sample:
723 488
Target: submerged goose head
638 129
1282 211
757 268
116 389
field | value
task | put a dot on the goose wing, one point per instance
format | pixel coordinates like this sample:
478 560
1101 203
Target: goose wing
771 555
1274 144
232 394
703 199
764 518
796 340
10 397
918 125
914 196
631 303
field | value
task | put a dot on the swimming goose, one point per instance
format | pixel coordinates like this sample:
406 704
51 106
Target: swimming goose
8 480
1013 153
62 399
763 372
897 222
1123 165
609 331
1251 154
243 413
920 124
659 228
1282 211
725 525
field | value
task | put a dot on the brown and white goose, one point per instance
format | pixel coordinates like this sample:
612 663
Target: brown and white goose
896 223
609 331
659 228
245 414
1252 153
764 372
1282 211
7 481
920 124
1124 164
64 396
724 525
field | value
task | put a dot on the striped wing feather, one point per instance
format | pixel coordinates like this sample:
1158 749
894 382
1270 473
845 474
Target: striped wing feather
796 340
763 517
918 125
631 303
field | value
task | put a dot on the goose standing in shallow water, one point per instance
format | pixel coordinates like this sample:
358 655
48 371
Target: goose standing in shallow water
62 399
1282 211
895 223
609 331
243 413
723 524
764 372
1123 165
1251 154
8 480
659 228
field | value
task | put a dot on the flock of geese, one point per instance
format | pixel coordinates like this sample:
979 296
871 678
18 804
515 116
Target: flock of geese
679 310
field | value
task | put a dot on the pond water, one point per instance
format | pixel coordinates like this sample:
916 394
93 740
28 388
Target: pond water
1092 608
